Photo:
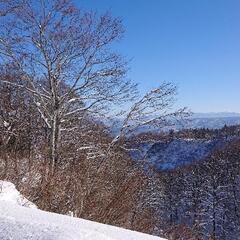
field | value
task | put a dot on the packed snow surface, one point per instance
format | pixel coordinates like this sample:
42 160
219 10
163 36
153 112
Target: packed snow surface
18 222
10 194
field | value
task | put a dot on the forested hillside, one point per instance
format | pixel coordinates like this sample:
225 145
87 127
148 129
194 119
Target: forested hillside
59 76
64 90
194 185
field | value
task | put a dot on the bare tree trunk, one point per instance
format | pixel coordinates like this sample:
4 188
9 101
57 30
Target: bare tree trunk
55 141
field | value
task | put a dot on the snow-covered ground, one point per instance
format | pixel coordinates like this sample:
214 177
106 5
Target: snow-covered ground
9 194
21 220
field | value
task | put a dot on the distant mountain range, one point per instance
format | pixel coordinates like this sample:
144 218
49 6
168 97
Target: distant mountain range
212 120
196 120
216 115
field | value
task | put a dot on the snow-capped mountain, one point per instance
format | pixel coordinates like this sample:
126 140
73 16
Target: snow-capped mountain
212 120
216 115
212 123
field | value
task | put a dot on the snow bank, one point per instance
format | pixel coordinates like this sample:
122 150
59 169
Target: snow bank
22 223
10 194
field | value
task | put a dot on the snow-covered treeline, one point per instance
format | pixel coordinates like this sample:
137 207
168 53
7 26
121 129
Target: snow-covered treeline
201 200
60 79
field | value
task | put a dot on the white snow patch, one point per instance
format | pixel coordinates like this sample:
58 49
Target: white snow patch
22 223
10 194
6 124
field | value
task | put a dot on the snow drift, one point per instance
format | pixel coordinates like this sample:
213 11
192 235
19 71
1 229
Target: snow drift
10 194
21 220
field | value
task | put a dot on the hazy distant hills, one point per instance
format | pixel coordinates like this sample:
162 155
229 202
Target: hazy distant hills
216 115
212 120
197 120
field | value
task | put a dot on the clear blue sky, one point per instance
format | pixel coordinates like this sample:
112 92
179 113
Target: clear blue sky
193 43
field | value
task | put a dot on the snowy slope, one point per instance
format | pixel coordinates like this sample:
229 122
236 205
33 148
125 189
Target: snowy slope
22 223
177 152
9 193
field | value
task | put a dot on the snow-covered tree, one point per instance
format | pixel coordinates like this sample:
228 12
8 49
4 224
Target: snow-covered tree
65 59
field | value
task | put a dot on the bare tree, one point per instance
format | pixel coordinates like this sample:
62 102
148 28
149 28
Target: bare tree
66 63
154 110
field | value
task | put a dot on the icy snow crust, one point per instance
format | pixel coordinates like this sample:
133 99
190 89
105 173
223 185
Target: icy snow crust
23 223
